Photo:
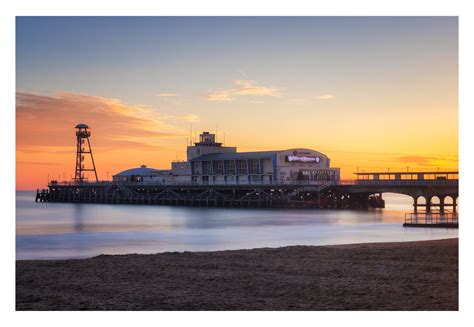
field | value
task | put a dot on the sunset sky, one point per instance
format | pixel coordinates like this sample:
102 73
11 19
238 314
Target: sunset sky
370 92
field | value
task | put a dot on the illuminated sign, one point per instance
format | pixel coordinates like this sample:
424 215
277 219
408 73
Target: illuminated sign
302 159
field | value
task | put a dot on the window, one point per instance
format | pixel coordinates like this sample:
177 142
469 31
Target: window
220 168
206 168
254 166
231 167
242 166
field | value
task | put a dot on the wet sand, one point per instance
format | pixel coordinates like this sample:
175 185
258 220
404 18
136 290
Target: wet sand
379 276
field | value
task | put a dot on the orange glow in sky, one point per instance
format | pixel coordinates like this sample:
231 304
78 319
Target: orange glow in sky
125 136
372 93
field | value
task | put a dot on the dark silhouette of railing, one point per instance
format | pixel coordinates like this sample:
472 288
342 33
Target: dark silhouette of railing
431 218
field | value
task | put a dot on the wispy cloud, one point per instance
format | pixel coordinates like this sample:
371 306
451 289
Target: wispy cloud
243 88
167 95
416 159
188 118
240 71
426 161
421 161
35 163
325 97
47 120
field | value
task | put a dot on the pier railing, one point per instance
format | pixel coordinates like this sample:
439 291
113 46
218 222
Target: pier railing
360 182
431 218
405 182
216 183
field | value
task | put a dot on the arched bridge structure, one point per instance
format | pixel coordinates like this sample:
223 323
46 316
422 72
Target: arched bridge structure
424 187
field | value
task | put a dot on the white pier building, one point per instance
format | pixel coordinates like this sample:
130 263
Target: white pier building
209 162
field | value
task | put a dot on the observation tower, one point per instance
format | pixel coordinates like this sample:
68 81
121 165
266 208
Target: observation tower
83 133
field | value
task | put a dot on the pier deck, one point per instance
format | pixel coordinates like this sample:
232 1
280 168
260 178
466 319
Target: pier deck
360 193
256 195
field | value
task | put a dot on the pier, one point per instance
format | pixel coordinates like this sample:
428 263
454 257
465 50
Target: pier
430 192
215 175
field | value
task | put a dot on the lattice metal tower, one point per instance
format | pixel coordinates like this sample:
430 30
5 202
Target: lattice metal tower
82 134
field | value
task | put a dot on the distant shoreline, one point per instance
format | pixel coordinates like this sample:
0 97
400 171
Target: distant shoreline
421 275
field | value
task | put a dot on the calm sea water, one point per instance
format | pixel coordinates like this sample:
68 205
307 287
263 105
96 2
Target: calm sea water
57 230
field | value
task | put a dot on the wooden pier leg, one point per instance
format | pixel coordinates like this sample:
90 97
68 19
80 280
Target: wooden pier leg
415 204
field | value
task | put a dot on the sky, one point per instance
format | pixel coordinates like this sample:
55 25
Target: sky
372 93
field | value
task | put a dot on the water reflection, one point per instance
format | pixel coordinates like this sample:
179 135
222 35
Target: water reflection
55 230
78 217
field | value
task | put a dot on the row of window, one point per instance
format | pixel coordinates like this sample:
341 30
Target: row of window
251 166
252 178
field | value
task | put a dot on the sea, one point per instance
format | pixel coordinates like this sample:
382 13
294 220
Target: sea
68 231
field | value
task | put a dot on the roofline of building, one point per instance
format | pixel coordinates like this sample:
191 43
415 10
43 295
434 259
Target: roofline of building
247 153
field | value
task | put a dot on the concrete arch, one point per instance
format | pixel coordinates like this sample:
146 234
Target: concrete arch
435 199
396 201
437 203
421 199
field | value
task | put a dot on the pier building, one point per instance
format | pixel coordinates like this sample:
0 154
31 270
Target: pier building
209 162
143 174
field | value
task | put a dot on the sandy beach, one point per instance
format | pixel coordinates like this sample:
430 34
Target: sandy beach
381 276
